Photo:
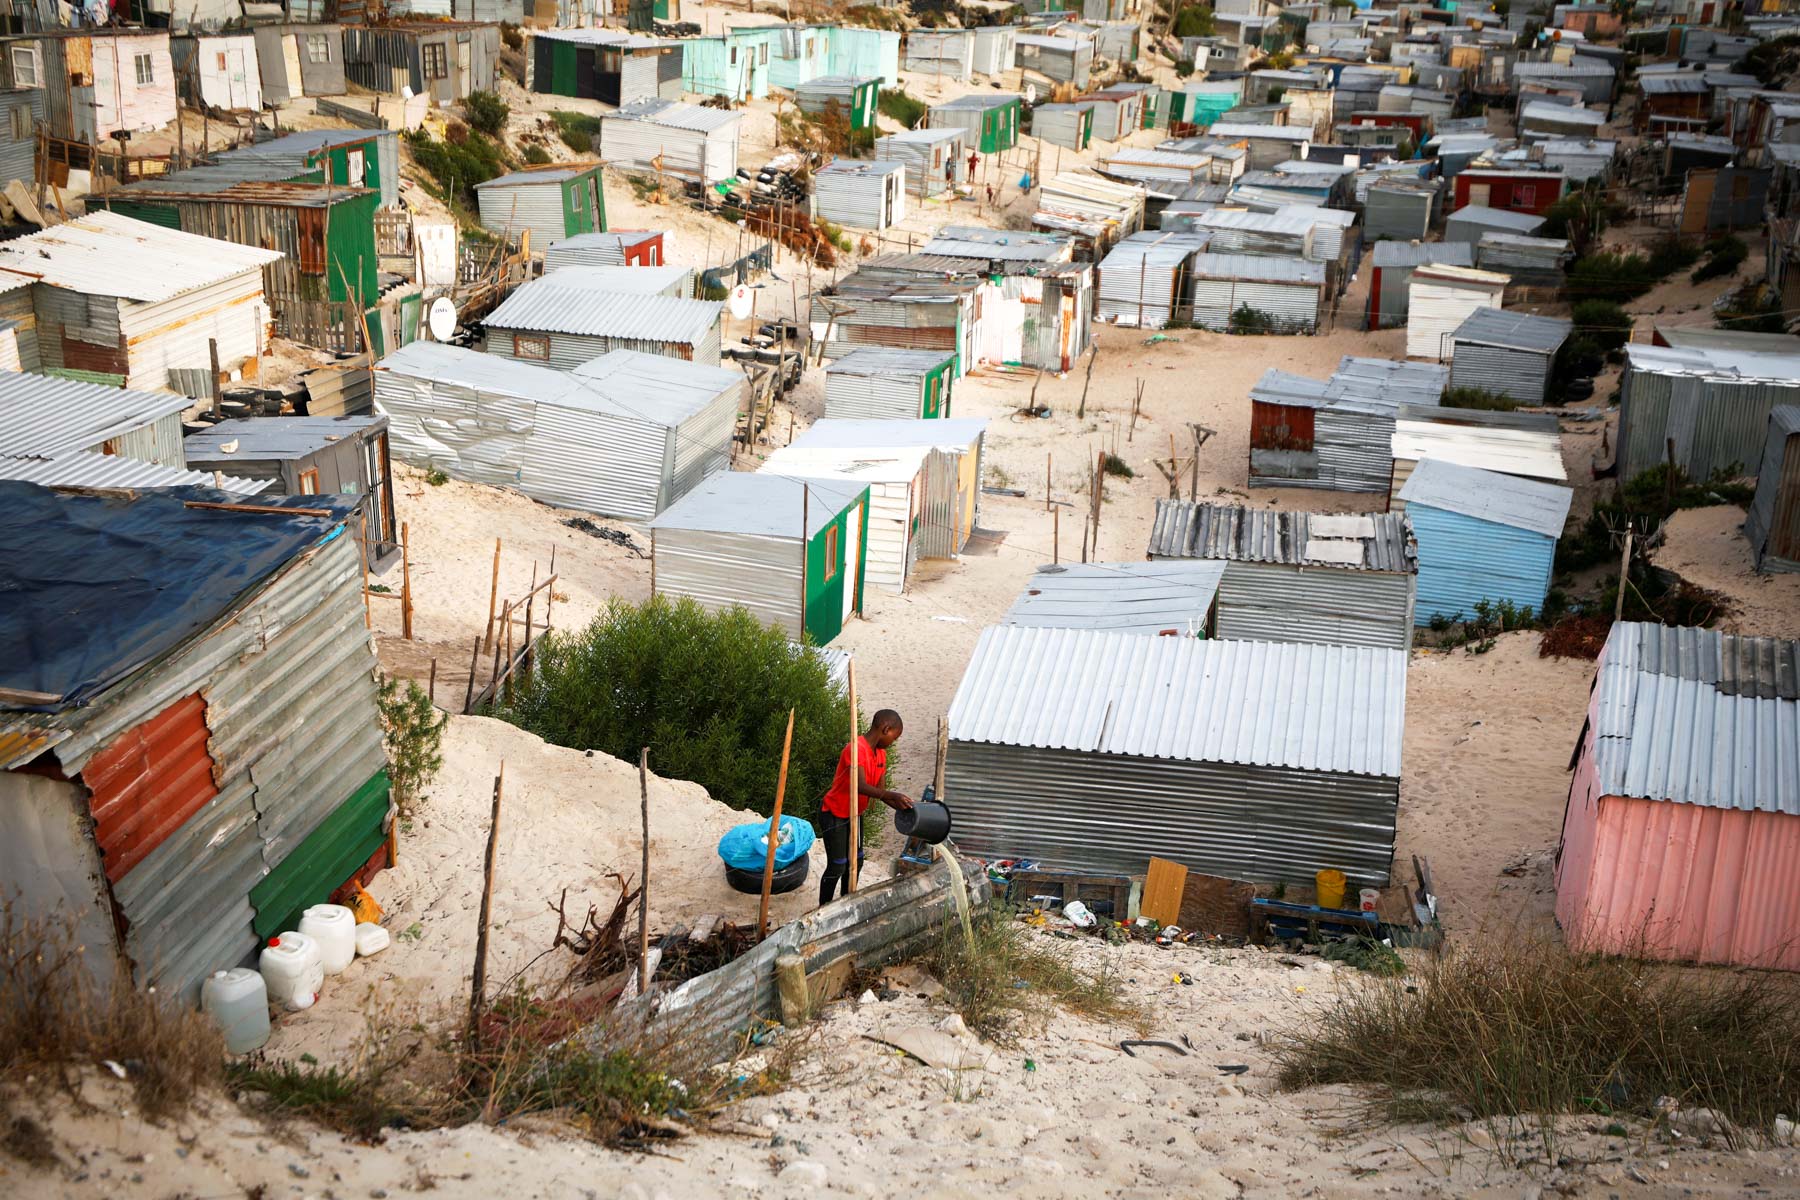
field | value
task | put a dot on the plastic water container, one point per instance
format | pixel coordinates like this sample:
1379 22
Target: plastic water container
334 927
292 970
370 939
239 1001
1369 898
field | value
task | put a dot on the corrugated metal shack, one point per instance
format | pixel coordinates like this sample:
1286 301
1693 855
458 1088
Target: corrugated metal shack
1093 751
97 82
666 137
1070 126
1773 525
1712 401
1098 211
1507 353
44 417
1289 295
989 121
916 313
789 551
1528 445
552 202
1118 113
940 52
1057 59
607 65
1482 536
21 112
1334 434
861 194
200 757
625 435
563 321
218 70
298 60
445 60
1268 144
923 479
312 456
1155 598
1402 208
132 301
1527 261
1299 577
1439 299
853 96
1683 819
878 382
347 157
618 248
1390 275
994 50
1144 278
1469 223
1580 161
935 158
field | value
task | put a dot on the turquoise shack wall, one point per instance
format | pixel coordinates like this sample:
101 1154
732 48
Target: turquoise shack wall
856 51
1463 560
790 73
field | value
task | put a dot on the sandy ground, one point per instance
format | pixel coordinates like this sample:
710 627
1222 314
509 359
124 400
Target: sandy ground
1062 1114
1707 547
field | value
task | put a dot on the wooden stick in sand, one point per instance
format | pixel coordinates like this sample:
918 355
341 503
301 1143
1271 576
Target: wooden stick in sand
762 918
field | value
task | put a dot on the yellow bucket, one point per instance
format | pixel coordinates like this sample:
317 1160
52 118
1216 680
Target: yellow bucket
1331 885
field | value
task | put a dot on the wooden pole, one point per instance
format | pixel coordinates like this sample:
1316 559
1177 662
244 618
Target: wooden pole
1137 403
943 748
432 690
1624 577
218 389
1081 409
406 607
855 778
1055 536
787 745
474 662
644 875
363 552
487 639
1047 461
478 981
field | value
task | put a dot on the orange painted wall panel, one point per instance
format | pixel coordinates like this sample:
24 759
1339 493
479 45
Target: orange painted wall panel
150 780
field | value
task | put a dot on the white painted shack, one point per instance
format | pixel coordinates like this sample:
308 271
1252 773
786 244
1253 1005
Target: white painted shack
137 303
625 435
1157 599
1300 577
922 479
860 193
1528 445
1089 750
219 70
994 49
1439 299
560 325
668 137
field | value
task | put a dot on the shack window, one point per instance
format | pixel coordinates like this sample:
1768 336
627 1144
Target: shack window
221 58
809 47
318 48
609 62
1740 187
1526 195
529 346
763 58
24 67
21 123
831 553
354 166
146 69
436 60
309 483
733 58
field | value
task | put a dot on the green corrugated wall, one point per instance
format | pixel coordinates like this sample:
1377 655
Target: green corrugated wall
318 866
562 68
825 598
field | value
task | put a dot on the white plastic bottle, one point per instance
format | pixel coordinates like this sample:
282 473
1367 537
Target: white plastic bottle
293 970
334 927
370 939
239 1001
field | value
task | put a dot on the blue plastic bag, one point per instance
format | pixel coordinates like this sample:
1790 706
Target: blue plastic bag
746 847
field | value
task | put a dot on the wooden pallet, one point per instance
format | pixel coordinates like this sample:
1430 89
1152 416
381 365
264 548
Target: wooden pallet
1122 893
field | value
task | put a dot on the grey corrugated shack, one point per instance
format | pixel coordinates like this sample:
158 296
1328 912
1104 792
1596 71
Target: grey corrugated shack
934 158
1713 402
557 324
1288 293
1170 598
1401 207
1507 353
1299 577
625 435
1093 751
1335 434
1773 526
300 60
1469 222
862 195
1390 275
879 382
446 60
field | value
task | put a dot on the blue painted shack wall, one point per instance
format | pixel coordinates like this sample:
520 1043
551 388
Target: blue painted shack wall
735 64
1463 560
790 71
866 52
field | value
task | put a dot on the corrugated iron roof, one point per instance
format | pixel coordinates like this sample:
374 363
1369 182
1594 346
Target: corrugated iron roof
673 114
84 469
759 505
1497 218
1299 706
46 416
1695 716
557 174
618 237
1489 496
1717 362
1513 330
105 254
620 280
268 438
983 100
1250 268
942 433
1512 443
655 386
547 307
1146 598
881 360
1009 245
1231 131
1233 533
1417 254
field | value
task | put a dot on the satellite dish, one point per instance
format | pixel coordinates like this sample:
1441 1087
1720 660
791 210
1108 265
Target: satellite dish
442 319
741 301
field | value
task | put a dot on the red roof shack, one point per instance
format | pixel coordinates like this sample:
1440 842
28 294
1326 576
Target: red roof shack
1514 191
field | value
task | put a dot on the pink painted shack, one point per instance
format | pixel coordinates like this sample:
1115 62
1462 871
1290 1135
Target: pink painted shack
1681 839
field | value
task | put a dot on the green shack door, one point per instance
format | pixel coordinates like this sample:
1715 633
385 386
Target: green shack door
862 113
834 562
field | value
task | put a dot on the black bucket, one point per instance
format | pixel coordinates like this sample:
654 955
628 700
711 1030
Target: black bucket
926 820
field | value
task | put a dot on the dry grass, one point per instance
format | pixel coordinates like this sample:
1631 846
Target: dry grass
56 1021
1524 1028
1004 975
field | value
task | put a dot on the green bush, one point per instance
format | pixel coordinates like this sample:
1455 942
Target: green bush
1194 20
1184 67
896 105
487 113
413 732
1247 320
1723 257
577 130
536 155
708 693
1580 217
476 160
1605 322
1478 398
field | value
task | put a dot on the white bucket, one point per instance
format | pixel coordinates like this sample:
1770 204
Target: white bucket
334 927
293 970
1370 899
239 1001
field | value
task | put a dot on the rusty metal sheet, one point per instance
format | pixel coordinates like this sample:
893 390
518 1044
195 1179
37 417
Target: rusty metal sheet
147 782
